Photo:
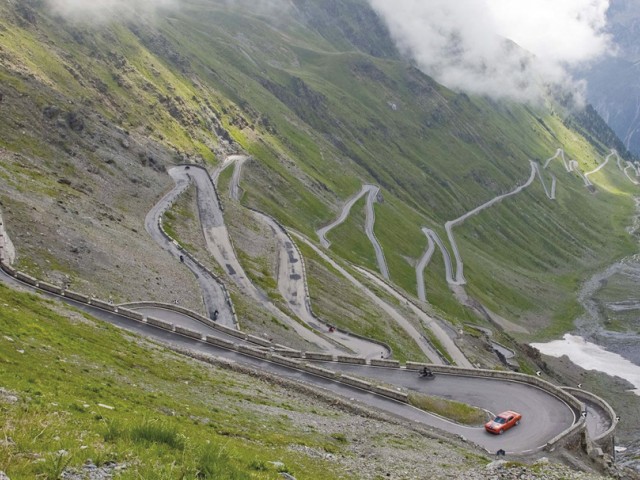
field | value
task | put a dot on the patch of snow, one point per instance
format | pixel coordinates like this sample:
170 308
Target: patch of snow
592 357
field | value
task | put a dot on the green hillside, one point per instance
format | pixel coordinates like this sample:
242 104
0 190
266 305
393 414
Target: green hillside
319 97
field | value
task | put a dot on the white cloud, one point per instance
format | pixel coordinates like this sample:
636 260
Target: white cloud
463 43
101 10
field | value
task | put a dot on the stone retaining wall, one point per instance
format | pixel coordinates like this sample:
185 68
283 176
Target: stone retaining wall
286 361
23 277
125 312
259 341
289 353
355 382
254 352
388 392
375 362
173 307
9 269
322 372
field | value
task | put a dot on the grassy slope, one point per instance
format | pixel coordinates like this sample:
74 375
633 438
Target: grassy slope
171 418
315 114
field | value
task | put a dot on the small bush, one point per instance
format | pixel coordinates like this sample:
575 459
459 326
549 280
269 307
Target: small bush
157 432
112 430
54 465
340 437
215 463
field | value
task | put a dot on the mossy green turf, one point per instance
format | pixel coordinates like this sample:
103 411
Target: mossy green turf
320 115
162 416
456 411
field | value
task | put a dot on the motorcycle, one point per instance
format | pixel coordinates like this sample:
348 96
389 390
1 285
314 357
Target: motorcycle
427 374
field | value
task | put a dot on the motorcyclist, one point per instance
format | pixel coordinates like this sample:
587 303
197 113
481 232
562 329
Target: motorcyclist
426 372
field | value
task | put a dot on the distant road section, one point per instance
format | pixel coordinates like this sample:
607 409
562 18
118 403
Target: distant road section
292 282
372 192
433 239
448 226
213 294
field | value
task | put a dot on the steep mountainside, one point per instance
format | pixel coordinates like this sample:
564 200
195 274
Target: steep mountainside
613 85
316 94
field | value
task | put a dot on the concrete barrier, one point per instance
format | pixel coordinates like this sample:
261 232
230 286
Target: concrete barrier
47 287
125 312
575 430
351 360
378 362
78 297
604 439
286 361
289 353
219 342
187 332
254 352
259 341
388 392
417 365
27 279
326 357
173 307
355 382
322 372
9 269
103 305
156 322
230 331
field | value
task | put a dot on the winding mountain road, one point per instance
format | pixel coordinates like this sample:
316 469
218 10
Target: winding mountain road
292 283
372 192
433 238
214 295
220 247
427 321
407 326
448 226
545 415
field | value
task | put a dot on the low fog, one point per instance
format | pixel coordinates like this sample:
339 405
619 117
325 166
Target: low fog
501 48
512 49
102 10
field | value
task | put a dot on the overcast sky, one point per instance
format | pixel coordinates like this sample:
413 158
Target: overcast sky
461 43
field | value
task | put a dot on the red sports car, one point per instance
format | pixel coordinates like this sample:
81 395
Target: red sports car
503 422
